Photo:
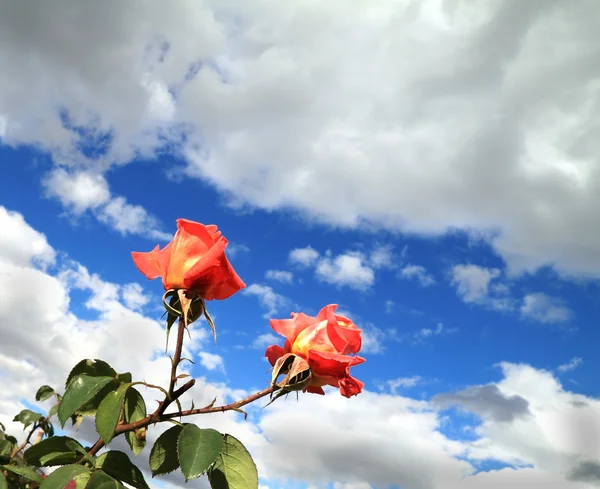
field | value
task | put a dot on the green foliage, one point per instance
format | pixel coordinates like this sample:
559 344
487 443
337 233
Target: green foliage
44 392
93 368
93 387
80 390
197 450
109 412
24 471
63 475
118 465
234 468
101 480
163 456
57 450
134 410
6 447
28 417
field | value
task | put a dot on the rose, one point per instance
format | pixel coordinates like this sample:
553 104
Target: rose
195 259
325 342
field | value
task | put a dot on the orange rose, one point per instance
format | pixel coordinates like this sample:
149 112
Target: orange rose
195 259
325 343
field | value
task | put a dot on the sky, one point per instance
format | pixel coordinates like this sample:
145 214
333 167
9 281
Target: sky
430 166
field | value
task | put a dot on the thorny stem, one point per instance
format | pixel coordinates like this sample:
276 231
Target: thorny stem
173 394
176 360
36 425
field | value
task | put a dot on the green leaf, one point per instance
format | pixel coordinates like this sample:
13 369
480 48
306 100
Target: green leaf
81 480
3 481
24 471
27 417
11 439
44 393
101 480
48 428
124 378
118 465
6 447
197 450
76 447
163 456
109 412
80 390
92 368
58 450
234 468
53 410
135 410
62 476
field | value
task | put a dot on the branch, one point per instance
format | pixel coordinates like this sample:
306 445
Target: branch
222 409
171 396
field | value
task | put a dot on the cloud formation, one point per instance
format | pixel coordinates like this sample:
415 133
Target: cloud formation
363 133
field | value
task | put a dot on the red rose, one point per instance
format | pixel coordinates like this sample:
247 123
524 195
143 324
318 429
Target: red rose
195 259
325 343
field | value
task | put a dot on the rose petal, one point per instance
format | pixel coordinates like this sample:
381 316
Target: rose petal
351 334
273 353
315 390
186 250
326 364
151 264
204 272
290 328
318 337
223 281
349 386
202 232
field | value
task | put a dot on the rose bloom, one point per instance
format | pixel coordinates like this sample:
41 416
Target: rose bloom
325 342
195 259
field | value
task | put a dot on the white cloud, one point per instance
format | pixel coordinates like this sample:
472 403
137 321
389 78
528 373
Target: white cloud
374 339
527 418
266 339
211 361
349 269
472 282
545 309
382 257
474 286
425 333
371 439
571 365
234 249
404 382
352 135
20 244
268 298
131 219
418 273
304 256
282 276
79 191
389 306
83 191
39 304
133 296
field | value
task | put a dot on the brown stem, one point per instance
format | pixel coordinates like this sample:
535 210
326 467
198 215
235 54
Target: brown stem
24 444
172 395
222 409
176 357
155 417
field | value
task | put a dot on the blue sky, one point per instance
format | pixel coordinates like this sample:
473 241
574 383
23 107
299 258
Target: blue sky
396 158
402 315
